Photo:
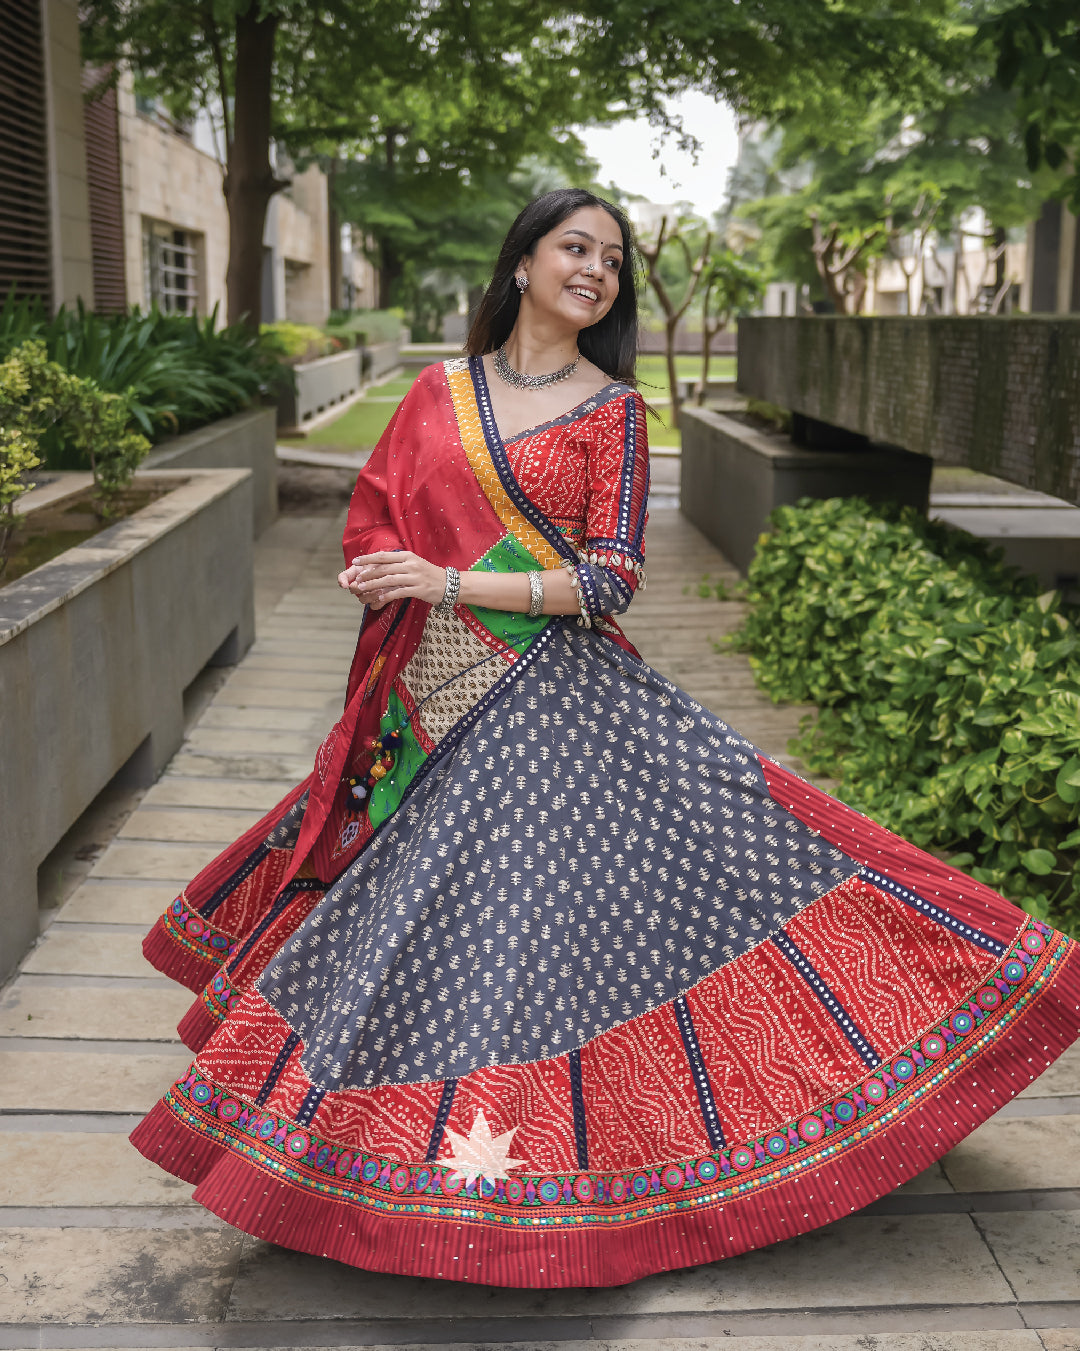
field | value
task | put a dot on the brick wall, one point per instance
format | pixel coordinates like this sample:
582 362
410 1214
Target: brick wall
997 394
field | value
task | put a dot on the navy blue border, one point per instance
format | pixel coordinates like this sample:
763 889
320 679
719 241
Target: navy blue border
832 1005
287 1047
934 912
577 1103
446 1101
706 1098
234 879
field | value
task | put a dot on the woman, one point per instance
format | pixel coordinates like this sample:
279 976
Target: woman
544 975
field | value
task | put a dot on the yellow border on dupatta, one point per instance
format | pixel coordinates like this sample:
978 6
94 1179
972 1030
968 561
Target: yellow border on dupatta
474 443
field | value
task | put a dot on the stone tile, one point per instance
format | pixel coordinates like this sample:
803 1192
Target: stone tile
189 826
63 1081
934 1259
200 765
116 1275
280 696
271 720
888 1341
1039 1251
84 1170
31 1008
247 741
330 681
112 901
88 952
1061 1079
179 792
148 862
930 1182
1018 1154
1061 1339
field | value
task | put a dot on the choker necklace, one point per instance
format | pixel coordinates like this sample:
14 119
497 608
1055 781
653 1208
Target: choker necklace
506 372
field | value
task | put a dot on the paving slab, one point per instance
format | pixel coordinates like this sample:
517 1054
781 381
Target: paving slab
250 741
188 826
1038 1251
144 861
87 1082
1020 1153
229 717
172 791
275 678
109 900
50 1169
280 696
937 1259
116 1275
31 1008
82 951
275 767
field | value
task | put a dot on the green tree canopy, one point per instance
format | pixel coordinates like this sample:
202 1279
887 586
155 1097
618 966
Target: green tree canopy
477 85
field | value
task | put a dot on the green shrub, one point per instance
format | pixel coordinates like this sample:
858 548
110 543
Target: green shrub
303 341
176 371
948 689
366 326
37 395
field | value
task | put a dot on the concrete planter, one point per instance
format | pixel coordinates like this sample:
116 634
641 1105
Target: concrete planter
320 384
96 649
380 359
732 477
244 441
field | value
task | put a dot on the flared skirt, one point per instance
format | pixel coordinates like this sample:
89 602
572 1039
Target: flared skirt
611 992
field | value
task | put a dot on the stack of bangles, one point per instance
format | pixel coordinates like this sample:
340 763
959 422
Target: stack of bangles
536 594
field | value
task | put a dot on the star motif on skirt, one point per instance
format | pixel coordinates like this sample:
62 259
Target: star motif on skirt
480 1154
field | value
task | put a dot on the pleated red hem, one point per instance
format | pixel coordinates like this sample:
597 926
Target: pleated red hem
187 968
246 1193
197 1026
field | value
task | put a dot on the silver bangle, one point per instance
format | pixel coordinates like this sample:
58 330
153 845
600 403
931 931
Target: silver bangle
450 595
536 595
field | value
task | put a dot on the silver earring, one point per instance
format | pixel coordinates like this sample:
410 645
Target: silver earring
521 281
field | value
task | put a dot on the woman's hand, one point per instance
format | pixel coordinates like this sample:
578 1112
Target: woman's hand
377 579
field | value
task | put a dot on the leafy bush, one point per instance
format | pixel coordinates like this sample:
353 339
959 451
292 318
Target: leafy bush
948 689
303 341
367 326
36 395
176 371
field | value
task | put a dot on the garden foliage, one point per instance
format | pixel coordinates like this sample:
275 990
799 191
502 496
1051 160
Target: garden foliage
176 371
948 689
38 395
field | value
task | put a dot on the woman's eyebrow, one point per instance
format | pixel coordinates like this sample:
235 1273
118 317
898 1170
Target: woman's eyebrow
584 234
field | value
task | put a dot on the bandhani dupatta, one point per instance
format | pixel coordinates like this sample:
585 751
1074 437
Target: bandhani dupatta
440 484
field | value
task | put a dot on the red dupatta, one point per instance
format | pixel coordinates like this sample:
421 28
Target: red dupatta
437 484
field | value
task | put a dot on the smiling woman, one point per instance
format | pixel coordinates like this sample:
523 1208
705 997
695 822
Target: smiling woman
546 976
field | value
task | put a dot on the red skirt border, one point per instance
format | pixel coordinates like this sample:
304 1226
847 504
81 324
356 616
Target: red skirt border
274 1180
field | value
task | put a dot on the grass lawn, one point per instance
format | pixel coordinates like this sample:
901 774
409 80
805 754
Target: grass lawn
360 426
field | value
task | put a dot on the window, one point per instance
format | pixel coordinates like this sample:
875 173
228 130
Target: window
170 268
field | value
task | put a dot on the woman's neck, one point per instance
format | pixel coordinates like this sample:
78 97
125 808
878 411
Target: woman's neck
535 349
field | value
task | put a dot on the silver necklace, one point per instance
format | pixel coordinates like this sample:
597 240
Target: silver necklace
506 372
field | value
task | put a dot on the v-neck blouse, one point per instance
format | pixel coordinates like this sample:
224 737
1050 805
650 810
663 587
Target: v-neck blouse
588 472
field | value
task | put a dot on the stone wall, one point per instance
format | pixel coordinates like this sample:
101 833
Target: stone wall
96 649
1001 395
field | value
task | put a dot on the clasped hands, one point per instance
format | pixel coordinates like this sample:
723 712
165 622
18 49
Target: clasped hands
377 579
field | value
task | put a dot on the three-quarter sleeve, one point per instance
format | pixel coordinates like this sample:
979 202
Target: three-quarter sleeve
612 563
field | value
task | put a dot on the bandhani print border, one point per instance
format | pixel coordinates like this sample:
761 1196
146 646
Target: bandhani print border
573 1199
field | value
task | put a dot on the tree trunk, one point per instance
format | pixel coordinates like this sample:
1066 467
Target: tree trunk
672 373
249 179
390 272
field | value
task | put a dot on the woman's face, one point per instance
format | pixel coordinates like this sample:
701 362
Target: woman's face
574 270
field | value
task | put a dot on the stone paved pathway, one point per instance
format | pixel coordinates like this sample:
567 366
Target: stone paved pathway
99 1249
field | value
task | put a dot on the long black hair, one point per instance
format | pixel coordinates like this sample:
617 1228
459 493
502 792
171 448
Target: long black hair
611 343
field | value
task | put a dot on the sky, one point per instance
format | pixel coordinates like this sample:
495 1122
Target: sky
623 151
